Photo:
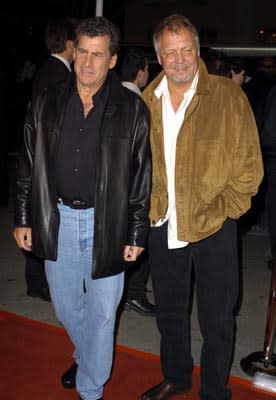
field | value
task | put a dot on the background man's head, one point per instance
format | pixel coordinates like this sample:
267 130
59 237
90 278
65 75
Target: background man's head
60 36
134 66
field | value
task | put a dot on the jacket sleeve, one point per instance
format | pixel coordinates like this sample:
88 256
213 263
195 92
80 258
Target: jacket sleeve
247 165
140 180
23 183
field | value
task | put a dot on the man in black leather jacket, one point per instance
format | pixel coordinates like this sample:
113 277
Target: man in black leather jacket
82 198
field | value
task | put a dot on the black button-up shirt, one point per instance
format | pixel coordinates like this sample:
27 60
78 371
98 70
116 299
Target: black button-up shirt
77 148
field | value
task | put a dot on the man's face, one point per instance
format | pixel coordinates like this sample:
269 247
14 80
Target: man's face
178 55
93 61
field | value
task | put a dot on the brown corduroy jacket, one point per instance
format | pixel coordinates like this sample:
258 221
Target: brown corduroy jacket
218 165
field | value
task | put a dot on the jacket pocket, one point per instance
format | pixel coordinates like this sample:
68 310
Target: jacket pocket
211 171
207 218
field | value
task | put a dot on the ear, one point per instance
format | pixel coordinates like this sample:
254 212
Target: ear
139 76
69 45
113 61
70 50
159 59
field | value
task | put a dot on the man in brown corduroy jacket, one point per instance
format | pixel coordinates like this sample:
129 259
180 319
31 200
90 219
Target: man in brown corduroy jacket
207 165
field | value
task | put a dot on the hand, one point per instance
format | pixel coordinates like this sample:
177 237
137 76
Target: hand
131 253
23 237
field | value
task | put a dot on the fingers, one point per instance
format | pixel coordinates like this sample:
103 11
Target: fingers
23 237
131 253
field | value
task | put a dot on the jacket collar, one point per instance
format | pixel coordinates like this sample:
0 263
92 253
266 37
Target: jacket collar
116 94
203 86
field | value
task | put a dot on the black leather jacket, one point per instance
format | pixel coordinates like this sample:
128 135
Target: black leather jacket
123 180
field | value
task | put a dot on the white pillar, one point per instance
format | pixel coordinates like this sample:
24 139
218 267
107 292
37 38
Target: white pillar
99 8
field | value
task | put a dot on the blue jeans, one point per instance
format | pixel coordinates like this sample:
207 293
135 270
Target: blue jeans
85 307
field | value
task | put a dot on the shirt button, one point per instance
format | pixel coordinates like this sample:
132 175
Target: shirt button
81 129
78 150
76 169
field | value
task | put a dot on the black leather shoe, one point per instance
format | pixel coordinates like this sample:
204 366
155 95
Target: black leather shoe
43 293
68 379
164 391
143 307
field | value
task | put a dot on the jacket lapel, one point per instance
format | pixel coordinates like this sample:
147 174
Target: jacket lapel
157 136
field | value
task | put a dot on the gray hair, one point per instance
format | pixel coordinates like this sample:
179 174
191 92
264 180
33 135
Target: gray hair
174 23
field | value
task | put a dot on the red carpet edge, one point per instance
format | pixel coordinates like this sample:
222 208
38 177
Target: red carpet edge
233 380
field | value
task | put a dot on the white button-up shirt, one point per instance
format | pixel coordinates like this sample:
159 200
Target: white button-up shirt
172 122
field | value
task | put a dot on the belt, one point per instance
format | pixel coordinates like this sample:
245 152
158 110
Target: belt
76 204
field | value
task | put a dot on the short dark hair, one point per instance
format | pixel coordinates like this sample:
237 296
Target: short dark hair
99 26
57 32
133 60
174 23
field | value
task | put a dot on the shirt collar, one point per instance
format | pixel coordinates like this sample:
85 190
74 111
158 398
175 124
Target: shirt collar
131 86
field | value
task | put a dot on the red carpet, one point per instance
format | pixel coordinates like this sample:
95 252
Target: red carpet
34 355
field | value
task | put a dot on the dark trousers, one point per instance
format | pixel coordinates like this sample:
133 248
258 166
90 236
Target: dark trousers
136 278
216 274
34 273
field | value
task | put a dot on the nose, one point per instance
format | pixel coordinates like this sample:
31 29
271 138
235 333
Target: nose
180 57
88 60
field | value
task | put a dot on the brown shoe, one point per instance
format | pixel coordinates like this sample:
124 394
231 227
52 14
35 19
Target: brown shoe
164 391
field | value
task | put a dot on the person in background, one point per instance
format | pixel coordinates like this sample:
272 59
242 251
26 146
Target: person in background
259 86
216 62
59 39
237 73
82 197
207 165
257 90
59 42
133 70
268 142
